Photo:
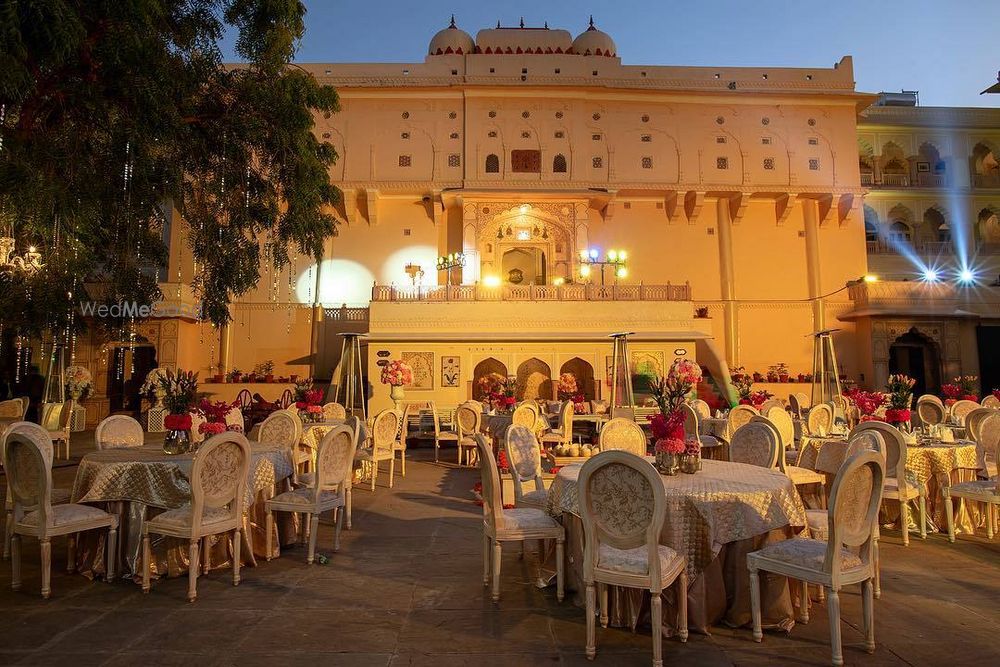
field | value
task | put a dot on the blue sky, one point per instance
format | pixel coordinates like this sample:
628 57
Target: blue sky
946 49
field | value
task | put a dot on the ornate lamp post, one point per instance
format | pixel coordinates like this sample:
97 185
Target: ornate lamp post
450 261
617 259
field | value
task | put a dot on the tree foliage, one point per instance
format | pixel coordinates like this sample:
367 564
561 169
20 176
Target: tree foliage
116 112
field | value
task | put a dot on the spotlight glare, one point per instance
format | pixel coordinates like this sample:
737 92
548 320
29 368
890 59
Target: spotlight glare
871 278
966 276
491 281
930 275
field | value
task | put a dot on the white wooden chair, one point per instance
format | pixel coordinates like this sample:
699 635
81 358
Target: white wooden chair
399 446
234 418
25 404
624 435
442 435
819 420
711 446
333 411
738 416
896 485
562 434
285 430
60 432
701 407
218 497
11 409
525 458
525 414
930 410
990 401
770 403
973 425
118 432
383 438
57 497
798 409
27 461
514 525
981 490
782 423
844 559
468 421
623 507
961 409
334 472
755 443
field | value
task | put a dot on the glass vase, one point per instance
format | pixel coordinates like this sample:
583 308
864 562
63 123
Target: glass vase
690 463
666 463
176 442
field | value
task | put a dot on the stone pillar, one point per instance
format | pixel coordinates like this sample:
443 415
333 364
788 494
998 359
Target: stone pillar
317 319
727 278
225 339
810 218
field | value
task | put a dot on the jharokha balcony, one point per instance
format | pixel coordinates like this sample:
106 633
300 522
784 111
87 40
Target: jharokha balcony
582 292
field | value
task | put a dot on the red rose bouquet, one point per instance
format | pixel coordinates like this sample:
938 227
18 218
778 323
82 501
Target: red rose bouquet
900 388
211 428
757 398
177 422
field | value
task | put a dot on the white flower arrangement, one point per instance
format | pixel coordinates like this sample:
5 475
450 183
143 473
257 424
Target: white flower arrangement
79 381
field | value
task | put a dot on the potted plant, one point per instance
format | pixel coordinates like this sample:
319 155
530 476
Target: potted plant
969 385
264 371
234 375
701 313
742 382
772 373
79 382
757 377
782 370
900 388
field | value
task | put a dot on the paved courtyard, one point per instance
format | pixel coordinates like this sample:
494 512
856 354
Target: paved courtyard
405 589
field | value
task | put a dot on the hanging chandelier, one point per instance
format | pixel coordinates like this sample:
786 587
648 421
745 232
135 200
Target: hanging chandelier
10 262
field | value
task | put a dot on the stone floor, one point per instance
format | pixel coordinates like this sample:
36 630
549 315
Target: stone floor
405 589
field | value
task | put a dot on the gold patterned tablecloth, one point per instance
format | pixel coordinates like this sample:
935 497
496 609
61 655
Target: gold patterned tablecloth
313 433
725 502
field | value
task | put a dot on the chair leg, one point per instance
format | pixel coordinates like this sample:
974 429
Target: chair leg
314 531
237 546
8 530
206 551
682 605
402 463
821 593
15 562
268 527
602 599
339 524
374 472
112 551
193 571
459 453
904 520
392 469
487 556
949 513
147 563
350 497
70 553
46 548
989 520
437 449
497 554
878 569
867 606
758 634
560 568
833 610
804 601
656 608
591 625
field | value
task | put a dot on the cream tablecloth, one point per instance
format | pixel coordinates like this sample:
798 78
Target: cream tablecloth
929 465
140 482
714 518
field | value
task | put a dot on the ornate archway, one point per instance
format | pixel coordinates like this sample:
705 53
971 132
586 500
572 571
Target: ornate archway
482 369
584 374
534 380
916 355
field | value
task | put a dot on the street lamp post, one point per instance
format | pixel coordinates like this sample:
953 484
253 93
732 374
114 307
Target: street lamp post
450 261
617 259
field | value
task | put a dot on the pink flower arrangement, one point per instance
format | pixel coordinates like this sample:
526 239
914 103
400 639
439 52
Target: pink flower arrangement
692 447
897 415
215 412
670 446
567 386
869 402
211 428
397 373
756 398
667 427
314 409
670 391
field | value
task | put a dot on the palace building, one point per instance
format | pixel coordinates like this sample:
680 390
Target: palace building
719 213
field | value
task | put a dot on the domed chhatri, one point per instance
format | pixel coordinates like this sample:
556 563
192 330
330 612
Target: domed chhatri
594 42
451 40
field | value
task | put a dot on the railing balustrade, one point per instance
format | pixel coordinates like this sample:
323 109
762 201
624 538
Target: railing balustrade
438 293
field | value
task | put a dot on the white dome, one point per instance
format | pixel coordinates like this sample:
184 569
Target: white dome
451 40
594 42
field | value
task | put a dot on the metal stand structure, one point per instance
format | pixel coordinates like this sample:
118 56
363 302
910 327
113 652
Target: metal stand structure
826 379
55 387
351 376
621 378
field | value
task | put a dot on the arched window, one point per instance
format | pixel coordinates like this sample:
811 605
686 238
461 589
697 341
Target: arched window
492 164
871 232
559 164
899 231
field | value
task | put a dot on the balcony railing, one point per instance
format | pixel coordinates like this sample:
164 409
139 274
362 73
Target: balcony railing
440 293
896 180
867 179
928 248
986 180
346 314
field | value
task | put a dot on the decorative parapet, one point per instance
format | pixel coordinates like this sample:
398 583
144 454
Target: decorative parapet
442 293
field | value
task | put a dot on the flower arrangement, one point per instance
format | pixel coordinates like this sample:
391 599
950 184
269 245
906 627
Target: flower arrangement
671 446
900 390
310 399
302 386
180 422
215 412
152 383
950 393
211 428
757 398
397 373
742 382
567 386
498 391
670 391
180 390
969 384
78 382
996 394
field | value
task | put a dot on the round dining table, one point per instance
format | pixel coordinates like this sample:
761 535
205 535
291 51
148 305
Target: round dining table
714 517
139 482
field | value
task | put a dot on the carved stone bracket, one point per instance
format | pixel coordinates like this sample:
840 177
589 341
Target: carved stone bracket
693 203
783 207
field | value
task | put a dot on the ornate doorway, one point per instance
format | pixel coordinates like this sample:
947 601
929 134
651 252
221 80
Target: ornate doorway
524 265
916 355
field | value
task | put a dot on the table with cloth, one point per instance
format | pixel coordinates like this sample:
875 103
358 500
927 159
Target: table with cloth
929 465
138 483
715 518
